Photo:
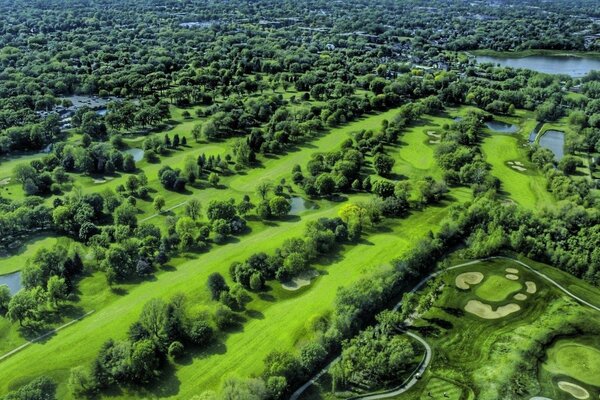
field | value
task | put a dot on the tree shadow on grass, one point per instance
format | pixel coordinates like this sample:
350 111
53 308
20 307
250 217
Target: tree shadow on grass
119 291
428 330
255 314
442 323
266 297
456 312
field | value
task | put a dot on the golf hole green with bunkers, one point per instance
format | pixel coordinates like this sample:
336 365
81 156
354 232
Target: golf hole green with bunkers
478 349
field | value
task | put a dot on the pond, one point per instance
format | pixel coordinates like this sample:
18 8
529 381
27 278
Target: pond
565 65
499 126
137 154
299 205
555 141
13 281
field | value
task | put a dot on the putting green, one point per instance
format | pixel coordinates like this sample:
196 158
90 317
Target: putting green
577 360
497 288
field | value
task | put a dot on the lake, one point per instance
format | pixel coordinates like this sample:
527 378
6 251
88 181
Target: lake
498 126
13 281
555 141
299 204
137 154
565 65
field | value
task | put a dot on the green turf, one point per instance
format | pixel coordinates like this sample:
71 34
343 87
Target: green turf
577 360
441 389
497 288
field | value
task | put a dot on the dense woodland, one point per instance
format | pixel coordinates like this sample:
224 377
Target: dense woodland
228 64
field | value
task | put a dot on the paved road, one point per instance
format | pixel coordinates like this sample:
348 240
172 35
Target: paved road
413 380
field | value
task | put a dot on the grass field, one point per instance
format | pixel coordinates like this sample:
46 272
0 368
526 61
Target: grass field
15 259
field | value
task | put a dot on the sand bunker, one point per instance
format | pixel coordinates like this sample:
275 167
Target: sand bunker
512 270
300 281
465 280
485 310
434 141
99 180
574 390
520 296
517 165
512 277
433 134
4 181
531 287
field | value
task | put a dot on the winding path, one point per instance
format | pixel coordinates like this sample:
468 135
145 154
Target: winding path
412 380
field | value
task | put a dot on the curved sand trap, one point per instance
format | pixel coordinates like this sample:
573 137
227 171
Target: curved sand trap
300 281
540 398
465 280
520 296
99 180
531 287
485 310
512 277
512 270
574 390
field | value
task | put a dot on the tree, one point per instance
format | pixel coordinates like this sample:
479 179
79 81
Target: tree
216 284
57 289
325 185
279 206
213 179
22 306
80 382
193 208
383 164
126 214
199 332
158 203
41 388
4 298
154 319
197 132
263 188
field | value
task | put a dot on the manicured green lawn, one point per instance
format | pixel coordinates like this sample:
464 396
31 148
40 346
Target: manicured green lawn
496 288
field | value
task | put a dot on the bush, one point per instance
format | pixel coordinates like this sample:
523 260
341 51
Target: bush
199 332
